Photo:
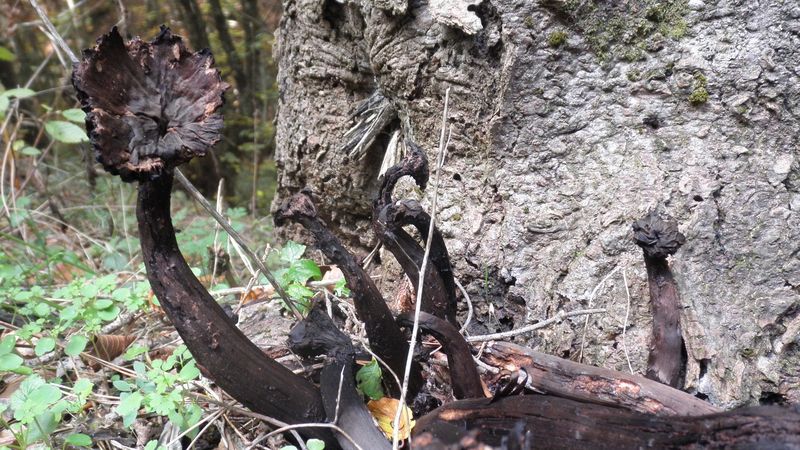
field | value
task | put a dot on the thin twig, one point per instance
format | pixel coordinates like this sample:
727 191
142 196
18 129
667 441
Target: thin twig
417 307
238 238
590 304
469 306
527 329
625 323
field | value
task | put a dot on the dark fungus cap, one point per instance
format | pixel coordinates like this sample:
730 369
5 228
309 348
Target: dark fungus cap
658 237
150 106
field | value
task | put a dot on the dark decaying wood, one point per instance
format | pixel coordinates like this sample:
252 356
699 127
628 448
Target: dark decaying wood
149 105
658 239
225 354
565 378
389 217
464 375
317 335
385 337
560 423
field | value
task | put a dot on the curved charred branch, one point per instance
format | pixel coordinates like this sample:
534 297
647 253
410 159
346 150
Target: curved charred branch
317 335
658 239
410 212
345 406
385 337
409 254
560 423
565 378
464 375
389 217
224 352
414 164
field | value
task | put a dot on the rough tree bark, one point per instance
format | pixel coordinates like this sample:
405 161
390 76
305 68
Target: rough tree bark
572 119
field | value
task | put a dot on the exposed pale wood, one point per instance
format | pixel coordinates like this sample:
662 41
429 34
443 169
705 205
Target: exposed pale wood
578 381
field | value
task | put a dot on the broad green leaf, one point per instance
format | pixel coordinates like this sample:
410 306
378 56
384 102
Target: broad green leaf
4 104
19 93
42 309
7 344
134 351
369 380
65 132
76 345
78 440
74 115
6 54
298 291
292 251
122 386
108 314
103 303
9 362
30 151
189 372
44 345
288 447
304 269
83 387
46 394
315 444
129 406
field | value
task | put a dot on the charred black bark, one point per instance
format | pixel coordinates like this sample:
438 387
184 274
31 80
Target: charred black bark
389 217
150 107
318 335
559 423
658 239
222 350
564 378
464 375
385 337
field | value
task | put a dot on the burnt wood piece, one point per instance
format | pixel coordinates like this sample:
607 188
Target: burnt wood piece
389 217
464 375
658 239
410 212
560 423
577 381
410 255
225 354
150 107
317 335
385 337
414 164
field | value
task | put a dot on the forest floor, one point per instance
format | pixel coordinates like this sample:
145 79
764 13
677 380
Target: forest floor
87 357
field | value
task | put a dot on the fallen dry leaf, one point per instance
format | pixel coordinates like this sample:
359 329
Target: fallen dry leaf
384 410
107 347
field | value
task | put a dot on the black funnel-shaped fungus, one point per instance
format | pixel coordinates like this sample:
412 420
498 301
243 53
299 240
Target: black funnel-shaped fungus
660 238
151 107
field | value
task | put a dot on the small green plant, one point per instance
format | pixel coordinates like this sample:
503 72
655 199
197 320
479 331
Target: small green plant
557 38
311 444
368 379
293 272
38 407
158 388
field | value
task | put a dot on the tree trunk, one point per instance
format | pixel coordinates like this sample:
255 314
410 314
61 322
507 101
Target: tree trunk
570 120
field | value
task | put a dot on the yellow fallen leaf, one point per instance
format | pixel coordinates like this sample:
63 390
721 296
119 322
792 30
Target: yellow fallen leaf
384 410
